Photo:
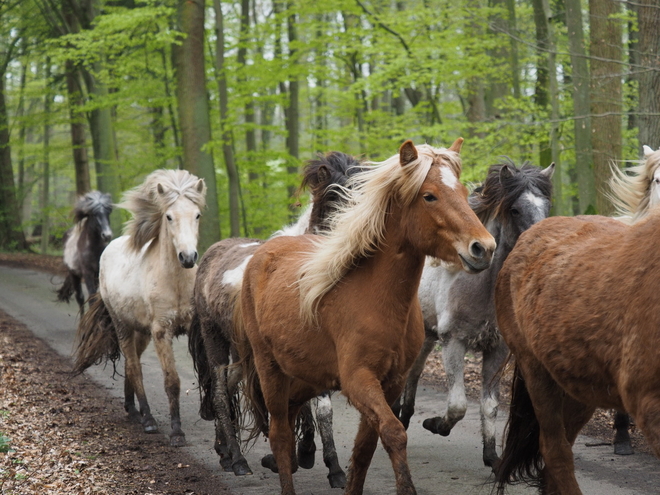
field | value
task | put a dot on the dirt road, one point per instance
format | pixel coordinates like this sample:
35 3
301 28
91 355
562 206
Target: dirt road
439 465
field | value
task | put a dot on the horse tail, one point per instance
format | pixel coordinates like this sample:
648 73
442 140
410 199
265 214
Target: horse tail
65 292
255 402
96 338
201 366
521 460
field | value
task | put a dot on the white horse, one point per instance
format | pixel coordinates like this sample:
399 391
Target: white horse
145 285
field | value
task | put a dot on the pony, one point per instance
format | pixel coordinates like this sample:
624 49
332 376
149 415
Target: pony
458 308
339 311
216 289
576 302
633 192
83 245
145 288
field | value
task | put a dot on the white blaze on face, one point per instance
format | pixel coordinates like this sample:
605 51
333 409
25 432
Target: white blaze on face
534 199
448 177
248 244
234 277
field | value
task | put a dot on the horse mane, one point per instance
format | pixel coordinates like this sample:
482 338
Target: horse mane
358 227
90 203
148 206
495 197
630 189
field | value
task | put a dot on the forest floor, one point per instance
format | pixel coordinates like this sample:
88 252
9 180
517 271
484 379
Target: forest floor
71 440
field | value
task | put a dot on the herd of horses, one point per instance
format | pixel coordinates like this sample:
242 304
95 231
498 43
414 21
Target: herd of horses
388 259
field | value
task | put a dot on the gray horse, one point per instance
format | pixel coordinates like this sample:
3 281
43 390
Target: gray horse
459 309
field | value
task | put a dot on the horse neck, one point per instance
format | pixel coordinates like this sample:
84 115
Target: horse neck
505 244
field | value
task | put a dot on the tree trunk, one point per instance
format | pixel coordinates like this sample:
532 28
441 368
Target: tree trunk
581 108
11 234
193 106
227 150
606 94
512 27
649 78
293 113
547 92
45 188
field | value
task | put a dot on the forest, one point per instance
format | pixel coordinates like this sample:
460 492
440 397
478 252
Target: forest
95 94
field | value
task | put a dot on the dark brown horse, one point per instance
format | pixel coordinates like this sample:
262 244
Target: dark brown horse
340 311
210 338
83 245
577 303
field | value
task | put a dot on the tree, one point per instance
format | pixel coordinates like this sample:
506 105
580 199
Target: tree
193 106
606 94
649 77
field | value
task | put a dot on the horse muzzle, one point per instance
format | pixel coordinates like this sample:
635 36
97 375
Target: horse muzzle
478 259
188 260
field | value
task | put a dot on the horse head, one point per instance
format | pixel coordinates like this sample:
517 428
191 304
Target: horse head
652 164
181 221
446 228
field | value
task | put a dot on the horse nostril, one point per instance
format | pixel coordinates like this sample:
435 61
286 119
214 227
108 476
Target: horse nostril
477 250
195 256
181 259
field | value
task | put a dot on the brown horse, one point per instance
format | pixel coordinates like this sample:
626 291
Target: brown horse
577 303
340 310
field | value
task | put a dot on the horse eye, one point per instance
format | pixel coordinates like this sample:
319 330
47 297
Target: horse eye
169 217
515 212
197 216
657 180
429 198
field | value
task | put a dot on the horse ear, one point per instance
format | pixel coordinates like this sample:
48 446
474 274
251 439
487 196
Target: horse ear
323 174
549 170
407 153
458 144
505 173
647 151
160 189
200 185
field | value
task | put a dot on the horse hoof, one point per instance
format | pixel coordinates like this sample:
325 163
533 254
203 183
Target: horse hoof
491 461
623 449
241 468
437 426
177 441
225 463
306 459
268 462
151 428
337 480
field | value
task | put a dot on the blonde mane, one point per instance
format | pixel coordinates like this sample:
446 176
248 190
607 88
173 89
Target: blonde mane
630 189
148 205
358 228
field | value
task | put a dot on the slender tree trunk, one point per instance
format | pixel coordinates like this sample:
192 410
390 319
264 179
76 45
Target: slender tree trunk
512 27
649 78
227 150
170 109
11 234
547 93
193 105
634 63
606 94
45 188
581 107
293 114
78 141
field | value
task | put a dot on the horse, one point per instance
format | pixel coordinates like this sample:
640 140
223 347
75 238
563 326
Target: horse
217 285
339 311
83 245
576 302
458 308
633 192
145 289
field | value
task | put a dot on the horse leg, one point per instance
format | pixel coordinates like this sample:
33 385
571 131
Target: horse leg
551 407
306 445
622 445
80 297
363 389
453 357
132 347
163 343
490 398
648 420
410 390
336 475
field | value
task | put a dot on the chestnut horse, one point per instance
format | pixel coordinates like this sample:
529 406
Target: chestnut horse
576 303
145 286
217 286
340 311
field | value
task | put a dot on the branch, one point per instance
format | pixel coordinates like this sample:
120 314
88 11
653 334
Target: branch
385 27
